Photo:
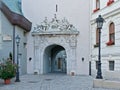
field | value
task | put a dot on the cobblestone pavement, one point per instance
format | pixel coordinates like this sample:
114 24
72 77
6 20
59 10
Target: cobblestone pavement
51 82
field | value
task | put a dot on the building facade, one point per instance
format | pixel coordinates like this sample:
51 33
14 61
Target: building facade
13 23
59 39
110 38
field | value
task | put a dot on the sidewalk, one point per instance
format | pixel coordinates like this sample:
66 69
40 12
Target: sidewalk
51 82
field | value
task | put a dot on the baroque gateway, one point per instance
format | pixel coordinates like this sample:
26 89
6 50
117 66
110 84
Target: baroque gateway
55 46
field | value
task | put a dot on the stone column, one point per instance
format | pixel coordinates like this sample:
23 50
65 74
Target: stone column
36 55
73 43
36 60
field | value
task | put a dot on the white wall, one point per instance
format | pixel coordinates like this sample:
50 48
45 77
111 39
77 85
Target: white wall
22 49
4 52
30 54
77 13
108 53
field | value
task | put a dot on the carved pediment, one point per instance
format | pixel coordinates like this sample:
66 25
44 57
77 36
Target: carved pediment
55 26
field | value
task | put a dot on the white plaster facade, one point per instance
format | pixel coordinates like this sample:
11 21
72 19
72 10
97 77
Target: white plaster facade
75 44
111 13
6 44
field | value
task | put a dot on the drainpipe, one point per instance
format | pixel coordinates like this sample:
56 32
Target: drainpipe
14 44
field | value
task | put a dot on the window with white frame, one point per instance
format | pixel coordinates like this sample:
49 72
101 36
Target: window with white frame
112 32
111 65
98 4
96 64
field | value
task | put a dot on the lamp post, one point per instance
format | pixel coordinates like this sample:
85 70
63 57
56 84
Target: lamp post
17 71
99 22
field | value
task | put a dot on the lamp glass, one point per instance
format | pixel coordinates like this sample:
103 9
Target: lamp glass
99 22
99 25
17 39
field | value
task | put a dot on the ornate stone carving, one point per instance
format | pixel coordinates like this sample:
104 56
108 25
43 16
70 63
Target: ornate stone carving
71 39
55 26
55 32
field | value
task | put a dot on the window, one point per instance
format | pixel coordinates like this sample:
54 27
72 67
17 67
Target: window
25 45
111 65
97 3
111 34
97 6
96 64
59 63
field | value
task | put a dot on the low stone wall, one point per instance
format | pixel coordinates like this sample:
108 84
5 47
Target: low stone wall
101 83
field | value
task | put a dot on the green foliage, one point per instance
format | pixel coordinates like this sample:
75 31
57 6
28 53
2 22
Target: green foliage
7 70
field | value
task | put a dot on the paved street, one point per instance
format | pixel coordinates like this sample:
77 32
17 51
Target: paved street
51 82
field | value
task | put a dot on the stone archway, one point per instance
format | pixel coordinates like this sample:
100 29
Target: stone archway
54 59
48 37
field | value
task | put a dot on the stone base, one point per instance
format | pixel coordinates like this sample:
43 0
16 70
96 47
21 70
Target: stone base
101 83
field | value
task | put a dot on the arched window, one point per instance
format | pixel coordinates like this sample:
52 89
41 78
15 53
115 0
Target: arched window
111 34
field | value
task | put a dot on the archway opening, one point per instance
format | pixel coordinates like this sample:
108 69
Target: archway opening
54 59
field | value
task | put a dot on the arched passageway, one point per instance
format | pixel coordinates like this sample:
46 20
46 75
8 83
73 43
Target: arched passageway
54 59
55 46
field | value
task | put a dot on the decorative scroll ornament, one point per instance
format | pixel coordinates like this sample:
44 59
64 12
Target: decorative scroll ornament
55 25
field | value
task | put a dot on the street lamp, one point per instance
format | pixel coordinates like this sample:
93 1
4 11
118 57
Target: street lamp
17 71
99 22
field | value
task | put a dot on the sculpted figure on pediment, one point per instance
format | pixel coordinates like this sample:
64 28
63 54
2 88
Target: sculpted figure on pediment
43 27
64 24
55 25
45 24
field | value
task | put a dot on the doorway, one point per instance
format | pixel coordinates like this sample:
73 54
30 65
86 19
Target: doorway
54 59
